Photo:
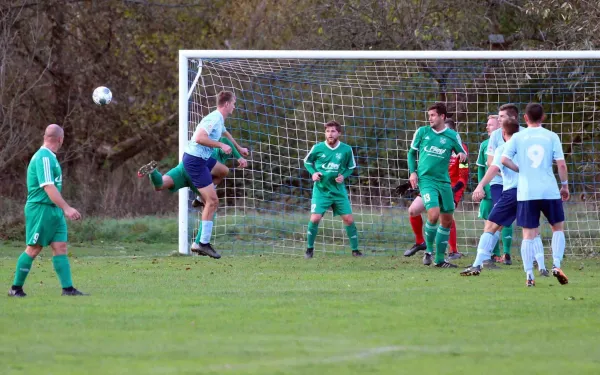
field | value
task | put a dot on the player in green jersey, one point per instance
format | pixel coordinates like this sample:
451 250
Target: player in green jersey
330 163
45 213
177 178
485 207
434 145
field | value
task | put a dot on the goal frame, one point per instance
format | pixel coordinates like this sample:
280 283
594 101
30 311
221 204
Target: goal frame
184 92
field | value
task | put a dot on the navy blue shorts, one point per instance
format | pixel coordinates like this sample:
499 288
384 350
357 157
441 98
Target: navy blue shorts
505 211
528 212
496 191
199 170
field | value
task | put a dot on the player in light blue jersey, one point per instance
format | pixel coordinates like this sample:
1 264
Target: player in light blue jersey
505 112
504 211
199 170
533 152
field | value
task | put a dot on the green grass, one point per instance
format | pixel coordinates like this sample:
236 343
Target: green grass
151 313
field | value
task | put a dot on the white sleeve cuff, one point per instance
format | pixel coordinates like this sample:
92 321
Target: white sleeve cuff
47 183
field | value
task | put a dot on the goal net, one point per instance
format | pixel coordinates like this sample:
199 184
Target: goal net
284 98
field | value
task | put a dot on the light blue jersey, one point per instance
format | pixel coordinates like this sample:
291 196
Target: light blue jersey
509 177
214 125
534 150
497 140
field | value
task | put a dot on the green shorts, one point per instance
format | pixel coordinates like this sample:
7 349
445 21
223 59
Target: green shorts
485 207
180 179
436 194
340 206
44 224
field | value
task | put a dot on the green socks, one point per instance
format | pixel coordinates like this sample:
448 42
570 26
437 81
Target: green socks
23 267
63 270
353 236
506 235
430 234
441 243
156 178
313 229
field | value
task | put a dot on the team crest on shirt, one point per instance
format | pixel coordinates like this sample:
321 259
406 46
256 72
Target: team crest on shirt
443 141
338 156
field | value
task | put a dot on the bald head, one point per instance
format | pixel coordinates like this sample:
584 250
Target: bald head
54 131
53 137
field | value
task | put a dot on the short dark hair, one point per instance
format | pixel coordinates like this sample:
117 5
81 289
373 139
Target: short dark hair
224 97
335 124
534 112
510 126
511 110
450 123
440 108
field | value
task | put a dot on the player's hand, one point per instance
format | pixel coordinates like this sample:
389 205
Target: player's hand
478 193
317 176
244 151
226 149
414 180
564 193
242 163
462 157
72 214
339 179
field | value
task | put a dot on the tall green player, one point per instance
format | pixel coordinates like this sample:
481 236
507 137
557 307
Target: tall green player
434 145
485 207
330 163
45 213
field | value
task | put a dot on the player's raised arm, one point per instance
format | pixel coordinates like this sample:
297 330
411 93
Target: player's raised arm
242 150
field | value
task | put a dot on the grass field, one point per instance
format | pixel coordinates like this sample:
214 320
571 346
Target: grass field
152 313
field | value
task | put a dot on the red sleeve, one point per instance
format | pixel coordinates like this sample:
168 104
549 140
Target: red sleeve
463 168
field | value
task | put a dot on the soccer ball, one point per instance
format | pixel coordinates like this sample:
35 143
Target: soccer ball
102 95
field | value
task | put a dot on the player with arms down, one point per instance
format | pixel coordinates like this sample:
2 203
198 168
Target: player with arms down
434 145
45 213
330 163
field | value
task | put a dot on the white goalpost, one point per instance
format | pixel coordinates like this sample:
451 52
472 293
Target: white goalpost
380 98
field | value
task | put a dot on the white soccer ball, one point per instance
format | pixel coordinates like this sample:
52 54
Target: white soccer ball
102 95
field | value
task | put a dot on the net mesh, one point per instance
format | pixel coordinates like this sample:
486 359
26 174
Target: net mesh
281 108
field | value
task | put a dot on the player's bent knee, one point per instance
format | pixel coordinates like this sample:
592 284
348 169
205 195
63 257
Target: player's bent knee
348 220
33 251
558 227
315 218
59 248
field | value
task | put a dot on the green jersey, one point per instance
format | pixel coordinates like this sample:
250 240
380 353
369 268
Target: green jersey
221 156
43 170
330 162
482 157
435 150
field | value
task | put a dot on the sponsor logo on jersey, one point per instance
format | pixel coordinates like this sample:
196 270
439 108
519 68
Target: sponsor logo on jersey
58 179
435 150
331 166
